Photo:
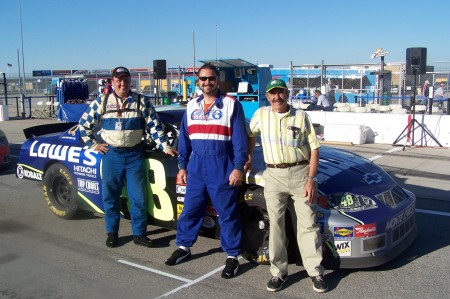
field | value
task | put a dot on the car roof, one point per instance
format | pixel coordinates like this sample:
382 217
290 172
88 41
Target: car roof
171 113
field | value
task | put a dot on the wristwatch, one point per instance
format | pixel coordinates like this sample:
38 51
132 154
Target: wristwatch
310 177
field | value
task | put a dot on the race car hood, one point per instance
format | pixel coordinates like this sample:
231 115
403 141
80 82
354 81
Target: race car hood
338 172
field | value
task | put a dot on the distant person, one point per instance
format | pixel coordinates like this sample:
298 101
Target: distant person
331 92
343 98
322 100
212 153
426 89
291 154
439 93
124 116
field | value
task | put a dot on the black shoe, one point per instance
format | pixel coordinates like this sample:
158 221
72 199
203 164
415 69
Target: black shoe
112 239
276 283
143 241
177 256
319 284
231 268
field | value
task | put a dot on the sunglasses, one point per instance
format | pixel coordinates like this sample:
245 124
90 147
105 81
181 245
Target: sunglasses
211 78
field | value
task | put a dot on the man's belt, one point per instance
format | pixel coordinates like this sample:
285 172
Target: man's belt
287 165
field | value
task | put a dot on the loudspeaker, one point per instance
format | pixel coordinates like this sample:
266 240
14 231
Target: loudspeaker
159 69
416 60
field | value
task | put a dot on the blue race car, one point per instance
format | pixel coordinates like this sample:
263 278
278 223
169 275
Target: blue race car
366 218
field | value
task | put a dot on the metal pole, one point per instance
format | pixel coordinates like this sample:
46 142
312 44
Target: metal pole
21 39
382 78
6 91
291 78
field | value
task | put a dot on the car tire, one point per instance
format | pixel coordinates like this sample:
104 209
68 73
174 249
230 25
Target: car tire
60 191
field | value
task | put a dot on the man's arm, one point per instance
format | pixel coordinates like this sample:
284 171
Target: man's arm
88 121
156 129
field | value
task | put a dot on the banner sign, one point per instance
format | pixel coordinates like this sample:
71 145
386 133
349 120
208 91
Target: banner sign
42 73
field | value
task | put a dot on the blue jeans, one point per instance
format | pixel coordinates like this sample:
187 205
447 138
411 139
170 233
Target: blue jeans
121 166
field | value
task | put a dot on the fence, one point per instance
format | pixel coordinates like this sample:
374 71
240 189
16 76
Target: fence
356 82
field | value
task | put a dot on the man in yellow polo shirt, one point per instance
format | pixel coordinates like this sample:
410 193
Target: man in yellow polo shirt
291 154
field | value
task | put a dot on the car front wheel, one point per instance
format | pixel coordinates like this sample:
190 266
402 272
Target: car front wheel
60 191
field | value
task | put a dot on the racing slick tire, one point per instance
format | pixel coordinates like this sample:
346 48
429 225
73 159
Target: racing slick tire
60 191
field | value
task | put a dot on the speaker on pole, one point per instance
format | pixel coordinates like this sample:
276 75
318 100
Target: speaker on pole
416 61
159 69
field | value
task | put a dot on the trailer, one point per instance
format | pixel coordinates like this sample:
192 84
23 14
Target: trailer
245 81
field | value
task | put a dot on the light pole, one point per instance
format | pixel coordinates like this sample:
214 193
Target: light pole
216 42
21 40
380 53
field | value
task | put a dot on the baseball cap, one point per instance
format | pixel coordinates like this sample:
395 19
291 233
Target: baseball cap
120 71
276 83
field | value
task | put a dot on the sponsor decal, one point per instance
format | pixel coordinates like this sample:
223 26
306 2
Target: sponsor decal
181 189
399 219
180 198
372 178
198 114
111 107
179 210
88 186
217 114
365 230
343 248
68 137
343 232
208 222
63 153
25 173
88 171
211 211
19 172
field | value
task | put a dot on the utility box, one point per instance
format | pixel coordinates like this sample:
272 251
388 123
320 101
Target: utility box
355 134
4 113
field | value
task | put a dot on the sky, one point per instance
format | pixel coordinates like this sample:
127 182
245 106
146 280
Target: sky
98 34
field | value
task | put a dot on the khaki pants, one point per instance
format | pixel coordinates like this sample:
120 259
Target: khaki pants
285 187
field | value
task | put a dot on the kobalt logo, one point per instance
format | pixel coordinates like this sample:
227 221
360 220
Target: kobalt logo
21 173
62 153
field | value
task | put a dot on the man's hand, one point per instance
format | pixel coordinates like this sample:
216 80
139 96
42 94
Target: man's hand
310 191
182 176
235 177
248 165
102 148
172 152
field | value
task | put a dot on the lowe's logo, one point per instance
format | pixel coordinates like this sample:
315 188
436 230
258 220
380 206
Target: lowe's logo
63 153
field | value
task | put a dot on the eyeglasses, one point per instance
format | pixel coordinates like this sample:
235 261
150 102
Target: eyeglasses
211 78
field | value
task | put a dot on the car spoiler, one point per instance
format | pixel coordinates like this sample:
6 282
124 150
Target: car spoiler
47 129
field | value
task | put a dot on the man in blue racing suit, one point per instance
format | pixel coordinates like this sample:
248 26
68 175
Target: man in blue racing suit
212 153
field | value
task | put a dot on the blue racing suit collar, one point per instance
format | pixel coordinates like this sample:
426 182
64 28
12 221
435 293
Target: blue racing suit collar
218 102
